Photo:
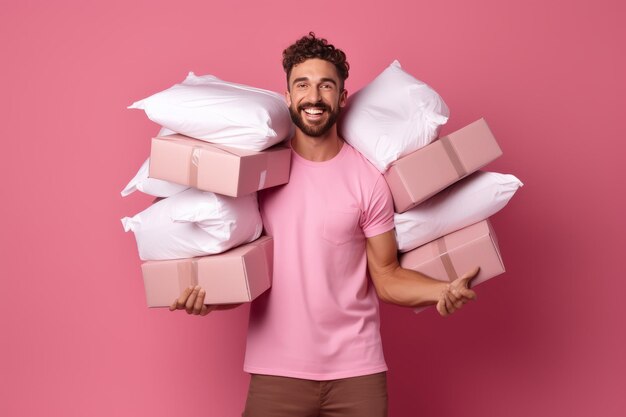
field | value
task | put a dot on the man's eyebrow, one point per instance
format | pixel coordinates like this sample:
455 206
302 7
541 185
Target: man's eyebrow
329 80
324 80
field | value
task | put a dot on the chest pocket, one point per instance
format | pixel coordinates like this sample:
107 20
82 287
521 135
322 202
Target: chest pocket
340 225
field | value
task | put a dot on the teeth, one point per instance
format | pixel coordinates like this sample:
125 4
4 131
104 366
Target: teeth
313 111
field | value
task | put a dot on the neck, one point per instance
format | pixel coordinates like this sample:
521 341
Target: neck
317 149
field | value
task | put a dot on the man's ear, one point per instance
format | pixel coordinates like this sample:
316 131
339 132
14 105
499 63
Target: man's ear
343 98
288 98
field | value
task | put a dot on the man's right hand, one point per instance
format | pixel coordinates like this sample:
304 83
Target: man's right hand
192 301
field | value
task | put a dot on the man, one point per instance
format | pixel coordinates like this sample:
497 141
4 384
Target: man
314 345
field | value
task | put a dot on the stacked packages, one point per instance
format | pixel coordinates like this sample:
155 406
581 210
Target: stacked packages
442 203
218 146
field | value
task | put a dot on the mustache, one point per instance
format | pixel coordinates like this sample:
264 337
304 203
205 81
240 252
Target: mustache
320 106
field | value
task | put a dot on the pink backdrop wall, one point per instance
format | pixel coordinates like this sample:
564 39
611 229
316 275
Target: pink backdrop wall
546 338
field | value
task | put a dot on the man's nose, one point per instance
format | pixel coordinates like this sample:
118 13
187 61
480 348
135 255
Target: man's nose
314 95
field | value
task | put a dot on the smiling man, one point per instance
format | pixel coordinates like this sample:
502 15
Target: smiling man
314 346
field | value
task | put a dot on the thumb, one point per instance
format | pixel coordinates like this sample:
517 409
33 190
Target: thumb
469 276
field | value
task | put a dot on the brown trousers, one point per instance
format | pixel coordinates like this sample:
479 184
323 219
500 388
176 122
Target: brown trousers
276 396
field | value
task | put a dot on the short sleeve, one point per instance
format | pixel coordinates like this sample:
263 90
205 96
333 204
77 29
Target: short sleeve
378 215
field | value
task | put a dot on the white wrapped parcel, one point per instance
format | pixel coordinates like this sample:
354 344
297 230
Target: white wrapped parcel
194 223
151 186
217 111
468 201
392 116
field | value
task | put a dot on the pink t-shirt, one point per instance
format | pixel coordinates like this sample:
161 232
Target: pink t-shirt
320 319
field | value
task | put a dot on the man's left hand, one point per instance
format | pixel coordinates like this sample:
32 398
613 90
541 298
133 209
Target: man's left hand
456 294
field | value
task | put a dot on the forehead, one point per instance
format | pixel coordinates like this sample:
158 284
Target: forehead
314 69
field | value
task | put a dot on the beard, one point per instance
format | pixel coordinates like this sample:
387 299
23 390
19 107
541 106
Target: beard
318 128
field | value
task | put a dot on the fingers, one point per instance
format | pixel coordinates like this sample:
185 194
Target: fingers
195 301
199 304
448 302
441 307
192 301
467 294
456 295
460 286
180 302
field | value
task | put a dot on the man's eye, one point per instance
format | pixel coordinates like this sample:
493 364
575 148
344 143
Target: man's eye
300 85
327 86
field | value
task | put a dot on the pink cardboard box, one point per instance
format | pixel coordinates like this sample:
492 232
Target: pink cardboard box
220 169
451 256
423 173
236 276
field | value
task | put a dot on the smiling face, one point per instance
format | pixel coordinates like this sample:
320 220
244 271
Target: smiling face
315 96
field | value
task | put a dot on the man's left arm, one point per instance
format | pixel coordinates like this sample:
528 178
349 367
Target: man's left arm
401 286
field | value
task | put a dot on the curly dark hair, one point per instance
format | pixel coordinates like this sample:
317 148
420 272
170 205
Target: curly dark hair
308 47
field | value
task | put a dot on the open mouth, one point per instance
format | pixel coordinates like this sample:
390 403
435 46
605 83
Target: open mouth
314 113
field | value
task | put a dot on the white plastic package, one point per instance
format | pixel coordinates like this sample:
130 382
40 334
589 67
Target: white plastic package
194 223
468 201
217 111
392 116
151 186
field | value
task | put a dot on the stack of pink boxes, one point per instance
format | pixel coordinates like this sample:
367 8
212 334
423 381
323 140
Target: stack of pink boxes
237 275
416 177
223 145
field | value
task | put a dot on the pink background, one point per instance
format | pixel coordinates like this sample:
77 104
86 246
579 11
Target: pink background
546 338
